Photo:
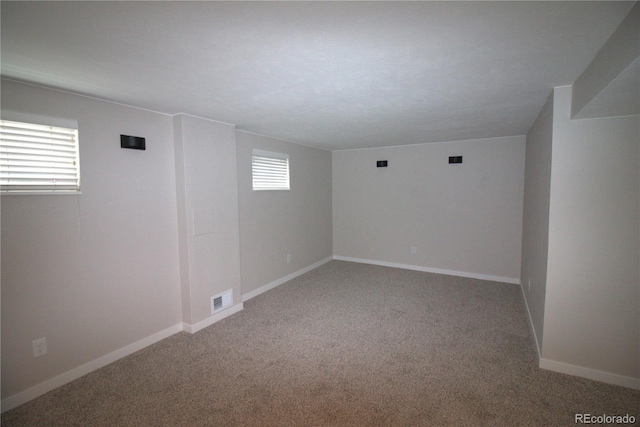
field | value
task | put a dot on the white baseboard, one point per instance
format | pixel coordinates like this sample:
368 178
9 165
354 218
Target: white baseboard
501 279
533 330
192 329
578 371
275 283
592 374
564 368
75 373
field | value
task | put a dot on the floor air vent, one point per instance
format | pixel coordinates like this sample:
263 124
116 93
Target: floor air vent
220 301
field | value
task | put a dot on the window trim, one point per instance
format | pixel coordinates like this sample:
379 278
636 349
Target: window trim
276 158
53 122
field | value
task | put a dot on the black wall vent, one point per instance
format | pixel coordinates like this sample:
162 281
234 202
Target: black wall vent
455 159
381 164
134 142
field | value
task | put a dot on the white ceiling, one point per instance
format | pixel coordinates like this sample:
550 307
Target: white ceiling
334 75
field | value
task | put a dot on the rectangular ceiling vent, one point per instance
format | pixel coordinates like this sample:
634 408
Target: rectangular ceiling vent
455 160
220 301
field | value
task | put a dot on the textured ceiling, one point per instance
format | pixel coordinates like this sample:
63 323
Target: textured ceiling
334 75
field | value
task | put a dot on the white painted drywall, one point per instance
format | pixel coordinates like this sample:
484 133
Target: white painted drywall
535 223
464 218
618 53
276 223
96 272
591 313
207 183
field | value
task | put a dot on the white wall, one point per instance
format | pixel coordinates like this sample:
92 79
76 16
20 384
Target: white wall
591 317
582 221
276 223
620 50
535 229
96 272
109 271
207 188
463 219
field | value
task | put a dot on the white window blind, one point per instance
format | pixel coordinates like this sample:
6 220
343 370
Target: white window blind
270 171
38 158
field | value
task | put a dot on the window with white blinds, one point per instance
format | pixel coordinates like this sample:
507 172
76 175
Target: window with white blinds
270 171
38 159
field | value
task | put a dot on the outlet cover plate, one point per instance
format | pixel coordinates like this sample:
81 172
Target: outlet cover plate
39 347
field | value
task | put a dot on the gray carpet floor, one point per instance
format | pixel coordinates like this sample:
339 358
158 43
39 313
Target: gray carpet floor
343 345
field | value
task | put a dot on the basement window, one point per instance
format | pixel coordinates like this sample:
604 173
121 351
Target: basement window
38 159
270 171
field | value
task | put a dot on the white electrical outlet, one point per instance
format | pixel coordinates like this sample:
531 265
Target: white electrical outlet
414 250
288 258
39 347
